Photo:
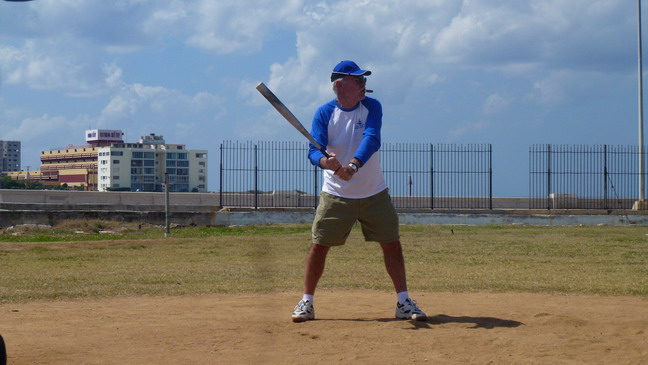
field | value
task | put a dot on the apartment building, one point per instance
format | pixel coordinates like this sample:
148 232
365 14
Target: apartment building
9 156
142 166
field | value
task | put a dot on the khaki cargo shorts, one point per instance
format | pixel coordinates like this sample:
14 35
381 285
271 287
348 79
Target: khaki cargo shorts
336 216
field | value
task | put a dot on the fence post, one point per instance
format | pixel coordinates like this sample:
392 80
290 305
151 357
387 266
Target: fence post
431 176
490 176
606 204
256 178
221 176
548 177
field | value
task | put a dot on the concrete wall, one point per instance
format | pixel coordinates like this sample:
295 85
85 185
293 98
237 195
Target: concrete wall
50 207
113 198
241 217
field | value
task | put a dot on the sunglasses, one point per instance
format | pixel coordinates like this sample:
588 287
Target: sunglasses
361 80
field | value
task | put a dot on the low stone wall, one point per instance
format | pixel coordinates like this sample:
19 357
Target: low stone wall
229 217
50 207
52 217
114 198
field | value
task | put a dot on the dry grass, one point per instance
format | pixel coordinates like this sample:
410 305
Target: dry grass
50 264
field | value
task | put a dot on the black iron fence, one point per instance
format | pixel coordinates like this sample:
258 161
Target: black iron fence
583 176
441 176
267 174
419 176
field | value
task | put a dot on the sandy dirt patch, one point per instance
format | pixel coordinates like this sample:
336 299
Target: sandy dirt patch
352 327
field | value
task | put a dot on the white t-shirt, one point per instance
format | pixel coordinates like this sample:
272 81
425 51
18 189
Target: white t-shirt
348 134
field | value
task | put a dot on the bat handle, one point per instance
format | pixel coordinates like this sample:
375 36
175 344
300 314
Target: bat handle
325 153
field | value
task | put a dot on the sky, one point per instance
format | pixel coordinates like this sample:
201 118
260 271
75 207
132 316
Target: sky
511 73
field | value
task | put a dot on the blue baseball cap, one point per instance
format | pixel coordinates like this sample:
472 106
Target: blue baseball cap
347 68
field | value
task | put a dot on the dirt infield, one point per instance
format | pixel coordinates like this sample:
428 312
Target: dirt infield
352 327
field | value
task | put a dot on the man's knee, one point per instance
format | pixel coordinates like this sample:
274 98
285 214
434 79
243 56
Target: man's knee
319 249
392 247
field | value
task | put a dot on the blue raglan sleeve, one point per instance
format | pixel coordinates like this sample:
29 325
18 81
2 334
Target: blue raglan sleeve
371 136
319 131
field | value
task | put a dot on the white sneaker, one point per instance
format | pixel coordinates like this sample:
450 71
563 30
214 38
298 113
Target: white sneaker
409 310
304 311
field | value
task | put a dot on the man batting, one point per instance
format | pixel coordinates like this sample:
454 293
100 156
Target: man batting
354 188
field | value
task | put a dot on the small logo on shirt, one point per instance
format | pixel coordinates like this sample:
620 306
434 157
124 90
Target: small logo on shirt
358 125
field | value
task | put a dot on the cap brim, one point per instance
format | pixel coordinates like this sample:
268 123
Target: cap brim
357 73
339 75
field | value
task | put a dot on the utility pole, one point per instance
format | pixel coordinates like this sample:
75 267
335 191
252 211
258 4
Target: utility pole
167 225
640 205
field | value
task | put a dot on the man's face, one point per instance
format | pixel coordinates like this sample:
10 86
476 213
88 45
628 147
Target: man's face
353 87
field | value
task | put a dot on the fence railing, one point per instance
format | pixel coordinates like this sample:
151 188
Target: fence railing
583 176
419 176
442 176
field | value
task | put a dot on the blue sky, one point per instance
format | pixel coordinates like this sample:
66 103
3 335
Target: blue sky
507 72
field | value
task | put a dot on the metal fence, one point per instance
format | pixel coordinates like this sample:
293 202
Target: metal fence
419 176
442 176
583 176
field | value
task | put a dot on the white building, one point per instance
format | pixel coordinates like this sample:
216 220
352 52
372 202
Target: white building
142 166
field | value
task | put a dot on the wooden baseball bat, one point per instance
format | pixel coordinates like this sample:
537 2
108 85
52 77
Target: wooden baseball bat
290 117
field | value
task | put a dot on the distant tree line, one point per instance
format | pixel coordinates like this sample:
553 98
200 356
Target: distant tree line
7 182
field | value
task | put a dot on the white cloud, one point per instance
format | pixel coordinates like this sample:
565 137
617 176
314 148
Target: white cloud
558 33
60 64
549 90
133 99
44 132
496 103
404 42
38 127
155 109
240 26
468 130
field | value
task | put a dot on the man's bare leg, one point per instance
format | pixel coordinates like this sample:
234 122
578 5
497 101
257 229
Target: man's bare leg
395 264
314 268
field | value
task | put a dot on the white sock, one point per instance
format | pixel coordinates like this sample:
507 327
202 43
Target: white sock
402 297
308 297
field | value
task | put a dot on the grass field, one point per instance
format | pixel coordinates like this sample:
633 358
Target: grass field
75 260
